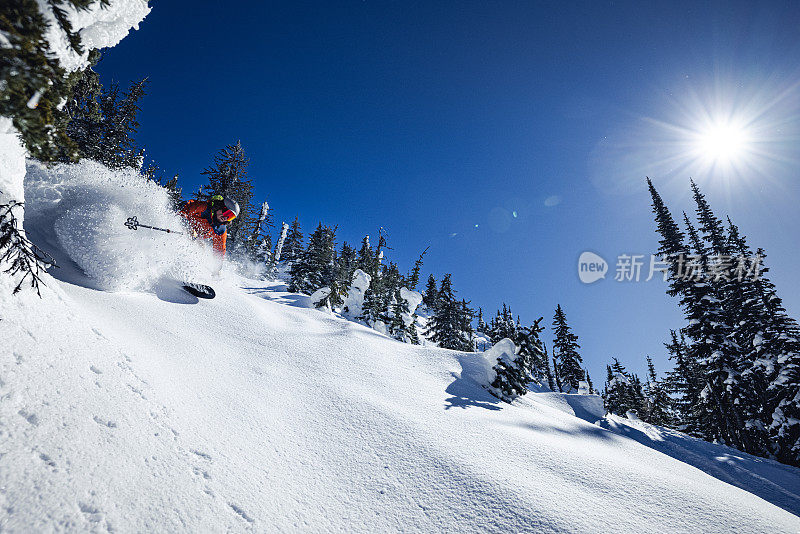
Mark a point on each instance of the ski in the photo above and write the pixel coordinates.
(199, 290)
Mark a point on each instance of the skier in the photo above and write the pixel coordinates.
(209, 220)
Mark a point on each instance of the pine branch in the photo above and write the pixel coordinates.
(22, 256)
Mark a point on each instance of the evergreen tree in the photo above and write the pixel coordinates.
(293, 246)
(467, 314)
(118, 124)
(372, 309)
(623, 391)
(367, 259)
(381, 290)
(566, 346)
(556, 377)
(413, 333)
(390, 283)
(413, 278)
(503, 325)
(399, 310)
(431, 294)
(346, 265)
(512, 376)
(274, 258)
(174, 192)
(382, 244)
(659, 404)
(592, 391)
(34, 83)
(714, 352)
(446, 324)
(258, 244)
(769, 338)
(549, 373)
(683, 384)
(721, 382)
(263, 252)
(316, 268)
(227, 176)
(84, 118)
(482, 327)
(531, 349)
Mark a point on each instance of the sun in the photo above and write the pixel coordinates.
(723, 142)
(733, 134)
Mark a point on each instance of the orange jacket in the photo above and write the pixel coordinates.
(202, 221)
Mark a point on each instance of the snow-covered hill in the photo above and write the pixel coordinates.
(128, 405)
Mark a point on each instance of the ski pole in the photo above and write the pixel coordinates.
(134, 224)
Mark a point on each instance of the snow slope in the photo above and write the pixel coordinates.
(148, 410)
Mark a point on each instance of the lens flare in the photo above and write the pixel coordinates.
(723, 143)
(733, 135)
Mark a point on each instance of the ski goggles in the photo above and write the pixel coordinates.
(228, 215)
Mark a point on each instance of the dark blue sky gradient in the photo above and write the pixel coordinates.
(429, 118)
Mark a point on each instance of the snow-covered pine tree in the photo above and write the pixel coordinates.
(556, 376)
(346, 265)
(747, 386)
(227, 176)
(713, 349)
(316, 268)
(279, 245)
(658, 406)
(565, 345)
(512, 376)
(532, 351)
(431, 294)
(398, 310)
(379, 251)
(263, 252)
(482, 326)
(367, 259)
(413, 332)
(592, 391)
(683, 383)
(467, 315)
(623, 391)
(412, 279)
(503, 326)
(379, 296)
(84, 119)
(446, 323)
(35, 86)
(293, 245)
(255, 245)
(772, 342)
(174, 192)
(372, 309)
(118, 125)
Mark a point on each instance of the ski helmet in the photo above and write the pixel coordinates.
(229, 206)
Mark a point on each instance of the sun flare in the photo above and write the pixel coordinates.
(723, 143)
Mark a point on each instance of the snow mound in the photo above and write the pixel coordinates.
(354, 300)
(81, 209)
(318, 296)
(483, 373)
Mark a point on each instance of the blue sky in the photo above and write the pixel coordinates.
(508, 136)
